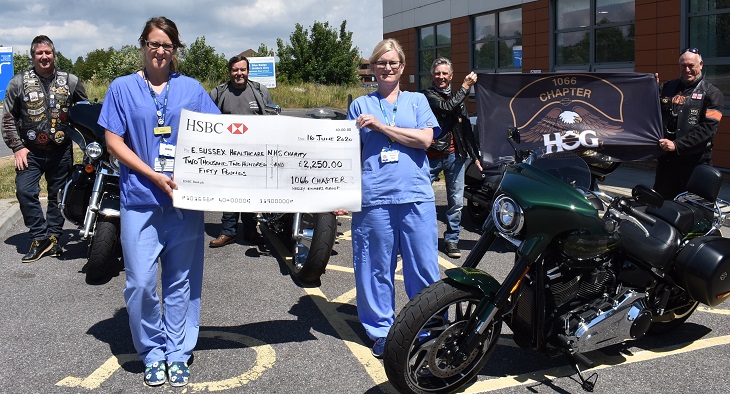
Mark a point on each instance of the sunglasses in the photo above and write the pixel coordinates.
(693, 50)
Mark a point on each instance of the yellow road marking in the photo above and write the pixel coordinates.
(372, 366)
(713, 310)
(265, 358)
(96, 378)
(606, 361)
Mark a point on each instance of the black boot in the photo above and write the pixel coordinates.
(37, 250)
(56, 250)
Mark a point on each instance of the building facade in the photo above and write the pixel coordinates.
(507, 36)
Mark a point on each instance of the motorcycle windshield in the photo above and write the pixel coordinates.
(566, 166)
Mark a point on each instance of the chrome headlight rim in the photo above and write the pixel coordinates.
(94, 150)
(508, 215)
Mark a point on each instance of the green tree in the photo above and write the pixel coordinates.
(125, 61)
(321, 55)
(21, 62)
(200, 61)
(264, 51)
(95, 60)
(63, 63)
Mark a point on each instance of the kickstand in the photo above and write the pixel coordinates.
(587, 384)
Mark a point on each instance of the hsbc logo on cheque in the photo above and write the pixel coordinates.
(237, 128)
(204, 127)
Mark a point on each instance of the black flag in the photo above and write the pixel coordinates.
(611, 117)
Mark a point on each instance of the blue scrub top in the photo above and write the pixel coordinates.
(408, 179)
(129, 111)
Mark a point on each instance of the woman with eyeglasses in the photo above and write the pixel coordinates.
(141, 113)
(398, 211)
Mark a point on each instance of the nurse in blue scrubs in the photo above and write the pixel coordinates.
(398, 205)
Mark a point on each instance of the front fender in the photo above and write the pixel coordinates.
(473, 277)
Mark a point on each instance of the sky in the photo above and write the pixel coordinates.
(78, 27)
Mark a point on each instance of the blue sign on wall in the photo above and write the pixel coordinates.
(517, 56)
(6, 69)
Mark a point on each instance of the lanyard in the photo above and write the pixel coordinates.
(395, 109)
(160, 111)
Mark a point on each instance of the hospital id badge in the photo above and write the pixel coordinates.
(164, 164)
(388, 155)
(163, 130)
(167, 150)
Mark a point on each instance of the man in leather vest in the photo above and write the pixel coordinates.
(691, 112)
(34, 127)
(456, 144)
(243, 97)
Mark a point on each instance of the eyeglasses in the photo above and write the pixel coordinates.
(154, 45)
(693, 50)
(392, 64)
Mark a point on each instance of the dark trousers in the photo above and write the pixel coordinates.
(56, 166)
(229, 222)
(673, 172)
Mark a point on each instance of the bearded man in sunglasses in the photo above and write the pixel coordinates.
(691, 112)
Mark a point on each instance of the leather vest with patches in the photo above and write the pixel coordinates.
(44, 113)
(679, 118)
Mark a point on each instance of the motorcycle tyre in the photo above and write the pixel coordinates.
(404, 334)
(320, 249)
(102, 248)
(477, 213)
(661, 328)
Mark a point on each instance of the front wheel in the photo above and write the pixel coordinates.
(102, 248)
(421, 345)
(312, 245)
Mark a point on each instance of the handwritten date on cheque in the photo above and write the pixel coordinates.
(249, 163)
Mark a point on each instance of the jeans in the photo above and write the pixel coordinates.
(56, 165)
(229, 222)
(453, 167)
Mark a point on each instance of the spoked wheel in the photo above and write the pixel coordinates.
(679, 308)
(421, 348)
(312, 241)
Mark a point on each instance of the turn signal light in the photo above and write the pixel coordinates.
(723, 295)
(89, 168)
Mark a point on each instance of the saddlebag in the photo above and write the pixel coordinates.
(702, 269)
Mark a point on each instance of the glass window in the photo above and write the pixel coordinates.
(594, 34)
(433, 41)
(708, 26)
(572, 14)
(497, 41)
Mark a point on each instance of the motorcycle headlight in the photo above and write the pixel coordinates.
(114, 162)
(507, 215)
(94, 150)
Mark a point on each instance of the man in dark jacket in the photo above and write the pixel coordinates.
(691, 113)
(35, 123)
(243, 97)
(456, 143)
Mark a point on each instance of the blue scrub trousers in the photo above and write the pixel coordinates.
(378, 233)
(170, 240)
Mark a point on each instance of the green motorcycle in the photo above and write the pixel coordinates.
(590, 271)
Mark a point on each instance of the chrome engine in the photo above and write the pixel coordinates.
(606, 321)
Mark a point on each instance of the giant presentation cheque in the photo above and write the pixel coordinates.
(249, 163)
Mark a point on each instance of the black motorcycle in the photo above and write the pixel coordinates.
(90, 198)
(309, 237)
(590, 271)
